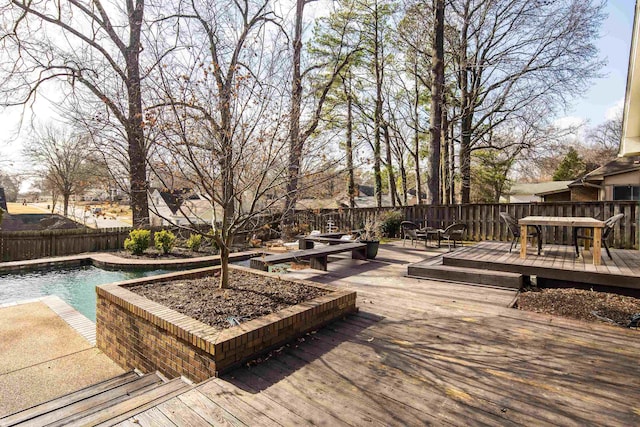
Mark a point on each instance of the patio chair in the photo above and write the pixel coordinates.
(410, 231)
(578, 233)
(452, 233)
(513, 226)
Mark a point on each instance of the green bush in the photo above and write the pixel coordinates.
(194, 242)
(138, 241)
(164, 240)
(390, 223)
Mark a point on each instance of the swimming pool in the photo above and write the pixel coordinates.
(74, 285)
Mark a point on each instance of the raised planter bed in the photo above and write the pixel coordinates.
(139, 333)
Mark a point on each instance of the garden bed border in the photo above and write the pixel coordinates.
(138, 333)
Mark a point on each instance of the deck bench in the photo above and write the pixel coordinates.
(306, 242)
(317, 257)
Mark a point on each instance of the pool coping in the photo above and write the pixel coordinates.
(110, 261)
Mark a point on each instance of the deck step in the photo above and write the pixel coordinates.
(98, 403)
(130, 407)
(473, 276)
(68, 399)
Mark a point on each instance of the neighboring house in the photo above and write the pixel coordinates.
(179, 207)
(525, 192)
(96, 194)
(617, 180)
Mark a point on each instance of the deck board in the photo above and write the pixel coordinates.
(429, 352)
(556, 262)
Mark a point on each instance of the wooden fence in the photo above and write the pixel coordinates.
(21, 245)
(483, 220)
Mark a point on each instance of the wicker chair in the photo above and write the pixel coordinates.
(452, 233)
(512, 223)
(578, 233)
(410, 231)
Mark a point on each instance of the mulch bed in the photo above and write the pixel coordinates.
(249, 296)
(581, 304)
(174, 254)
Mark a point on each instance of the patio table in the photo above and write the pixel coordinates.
(428, 233)
(566, 221)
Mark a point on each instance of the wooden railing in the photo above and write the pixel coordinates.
(483, 220)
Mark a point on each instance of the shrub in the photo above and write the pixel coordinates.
(390, 223)
(138, 241)
(194, 242)
(164, 240)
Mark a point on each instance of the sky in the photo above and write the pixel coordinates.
(595, 106)
(607, 94)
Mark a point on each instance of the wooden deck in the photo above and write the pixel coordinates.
(426, 352)
(557, 262)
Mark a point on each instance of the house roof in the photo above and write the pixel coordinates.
(175, 198)
(23, 222)
(538, 188)
(630, 144)
(614, 167)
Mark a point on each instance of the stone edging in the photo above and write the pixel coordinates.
(139, 333)
(111, 261)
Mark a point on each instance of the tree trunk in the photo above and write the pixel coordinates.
(466, 119)
(351, 186)
(224, 265)
(65, 204)
(416, 135)
(452, 164)
(445, 169)
(465, 157)
(393, 191)
(377, 116)
(135, 131)
(437, 85)
(295, 144)
(403, 179)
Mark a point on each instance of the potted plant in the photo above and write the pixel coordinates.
(370, 235)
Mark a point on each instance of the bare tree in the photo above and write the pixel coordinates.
(62, 160)
(92, 45)
(437, 89)
(11, 184)
(217, 115)
(605, 138)
(510, 54)
(327, 71)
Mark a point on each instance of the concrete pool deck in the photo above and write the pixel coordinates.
(45, 352)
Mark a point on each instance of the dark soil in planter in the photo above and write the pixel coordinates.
(581, 304)
(249, 296)
(176, 253)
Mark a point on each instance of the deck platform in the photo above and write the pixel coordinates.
(423, 352)
(557, 262)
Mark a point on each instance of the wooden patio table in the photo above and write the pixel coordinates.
(567, 221)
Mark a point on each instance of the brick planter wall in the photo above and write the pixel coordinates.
(138, 333)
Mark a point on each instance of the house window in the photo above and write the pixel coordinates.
(626, 192)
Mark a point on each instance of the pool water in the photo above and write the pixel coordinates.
(75, 285)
